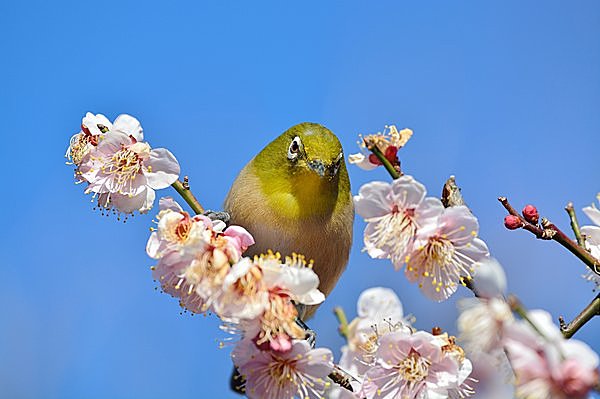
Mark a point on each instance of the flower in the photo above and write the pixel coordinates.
(546, 365)
(417, 365)
(592, 239)
(379, 312)
(388, 142)
(481, 323)
(124, 171)
(393, 213)
(93, 127)
(259, 297)
(445, 251)
(195, 255)
(489, 279)
(300, 372)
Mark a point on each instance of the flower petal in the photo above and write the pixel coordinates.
(162, 169)
(128, 125)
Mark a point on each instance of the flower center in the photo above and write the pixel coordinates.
(279, 319)
(393, 232)
(250, 283)
(414, 368)
(79, 147)
(182, 229)
(124, 166)
(439, 250)
(282, 371)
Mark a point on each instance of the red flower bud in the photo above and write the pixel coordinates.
(512, 222)
(530, 213)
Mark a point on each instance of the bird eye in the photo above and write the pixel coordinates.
(294, 148)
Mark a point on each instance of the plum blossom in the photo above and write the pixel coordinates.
(300, 372)
(93, 128)
(592, 239)
(259, 296)
(123, 171)
(417, 365)
(393, 213)
(388, 142)
(379, 312)
(546, 365)
(481, 323)
(489, 280)
(194, 255)
(444, 252)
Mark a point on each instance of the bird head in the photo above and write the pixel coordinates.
(303, 171)
(308, 150)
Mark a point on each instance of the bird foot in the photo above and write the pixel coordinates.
(216, 215)
(311, 335)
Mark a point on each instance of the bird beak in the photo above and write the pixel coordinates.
(324, 170)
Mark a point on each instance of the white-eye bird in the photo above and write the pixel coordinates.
(294, 196)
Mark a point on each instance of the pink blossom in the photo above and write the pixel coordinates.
(258, 298)
(546, 365)
(415, 366)
(379, 312)
(445, 251)
(393, 213)
(194, 255)
(300, 372)
(93, 128)
(124, 171)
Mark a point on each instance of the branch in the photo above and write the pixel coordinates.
(183, 188)
(517, 307)
(591, 310)
(574, 224)
(548, 231)
(341, 316)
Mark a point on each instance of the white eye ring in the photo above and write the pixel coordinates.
(294, 148)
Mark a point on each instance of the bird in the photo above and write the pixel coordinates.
(294, 197)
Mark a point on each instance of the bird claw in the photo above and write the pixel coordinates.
(216, 215)
(311, 335)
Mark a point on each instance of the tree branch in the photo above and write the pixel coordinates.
(549, 231)
(574, 224)
(591, 310)
(183, 189)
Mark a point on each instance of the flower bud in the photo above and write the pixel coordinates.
(531, 214)
(512, 222)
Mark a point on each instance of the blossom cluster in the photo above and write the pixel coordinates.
(200, 262)
(388, 358)
(120, 169)
(532, 351)
(438, 246)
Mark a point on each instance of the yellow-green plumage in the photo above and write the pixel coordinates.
(300, 204)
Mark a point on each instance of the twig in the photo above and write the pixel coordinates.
(548, 231)
(574, 224)
(342, 320)
(591, 310)
(384, 161)
(183, 189)
(517, 307)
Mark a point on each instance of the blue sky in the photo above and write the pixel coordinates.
(503, 95)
